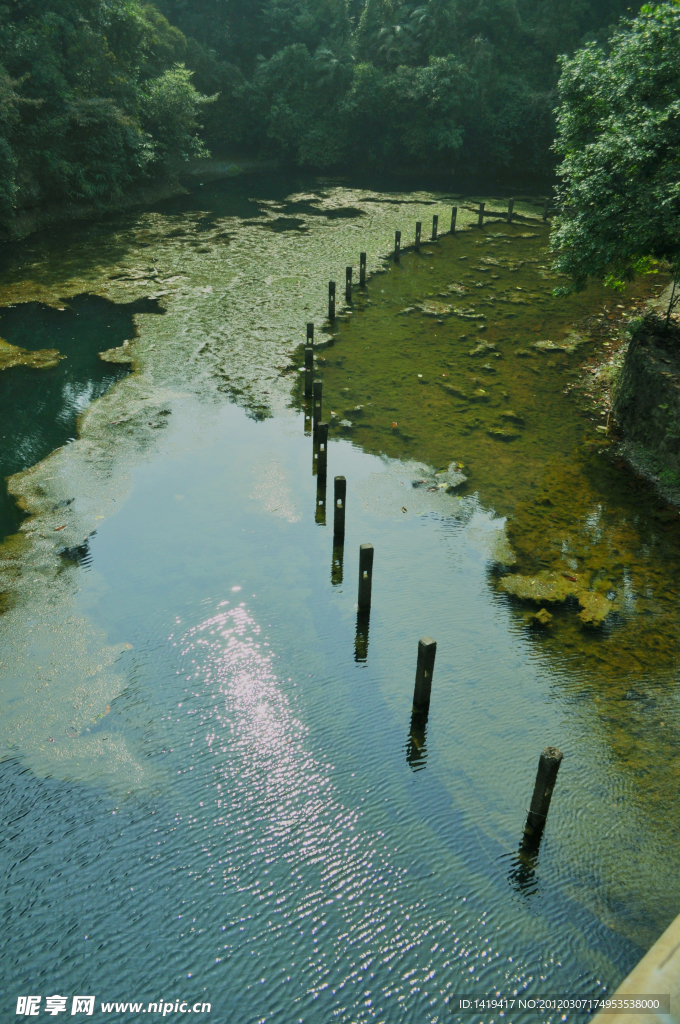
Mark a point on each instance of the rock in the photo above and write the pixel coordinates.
(548, 587)
(547, 346)
(512, 417)
(540, 618)
(456, 392)
(451, 478)
(482, 348)
(595, 607)
(503, 435)
(545, 587)
(437, 309)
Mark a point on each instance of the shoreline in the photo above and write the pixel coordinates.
(180, 179)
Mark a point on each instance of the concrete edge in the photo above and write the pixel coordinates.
(658, 973)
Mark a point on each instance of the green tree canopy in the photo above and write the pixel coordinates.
(618, 133)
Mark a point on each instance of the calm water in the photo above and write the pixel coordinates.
(210, 788)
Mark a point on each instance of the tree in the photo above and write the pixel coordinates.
(618, 133)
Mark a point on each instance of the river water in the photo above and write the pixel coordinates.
(212, 789)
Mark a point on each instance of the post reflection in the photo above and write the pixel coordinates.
(361, 638)
(416, 749)
(320, 515)
(307, 409)
(522, 873)
(337, 562)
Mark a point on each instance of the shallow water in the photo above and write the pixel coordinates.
(210, 770)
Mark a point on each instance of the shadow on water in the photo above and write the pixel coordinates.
(39, 409)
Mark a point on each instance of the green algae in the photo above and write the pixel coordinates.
(14, 355)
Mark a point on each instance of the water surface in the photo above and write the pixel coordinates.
(211, 779)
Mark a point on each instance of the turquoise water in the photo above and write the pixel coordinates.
(206, 795)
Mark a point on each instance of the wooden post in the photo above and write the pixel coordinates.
(454, 215)
(348, 284)
(427, 648)
(310, 334)
(419, 228)
(480, 219)
(339, 507)
(365, 576)
(322, 460)
(511, 206)
(548, 767)
(397, 245)
(318, 386)
(309, 371)
(546, 207)
(331, 300)
(362, 269)
(435, 223)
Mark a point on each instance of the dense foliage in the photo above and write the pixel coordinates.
(95, 94)
(619, 136)
(465, 85)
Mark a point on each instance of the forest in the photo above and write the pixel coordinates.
(96, 95)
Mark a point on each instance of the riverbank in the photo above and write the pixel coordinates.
(632, 383)
(180, 177)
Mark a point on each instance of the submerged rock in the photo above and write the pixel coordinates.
(540, 618)
(545, 587)
(451, 478)
(595, 607)
(499, 434)
(512, 417)
(42, 359)
(548, 587)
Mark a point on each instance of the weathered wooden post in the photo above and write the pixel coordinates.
(546, 208)
(454, 215)
(511, 206)
(316, 409)
(548, 767)
(397, 245)
(348, 284)
(427, 649)
(331, 300)
(435, 224)
(362, 269)
(480, 218)
(309, 371)
(322, 458)
(419, 228)
(339, 507)
(365, 576)
(310, 334)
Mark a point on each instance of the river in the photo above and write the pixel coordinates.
(212, 789)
